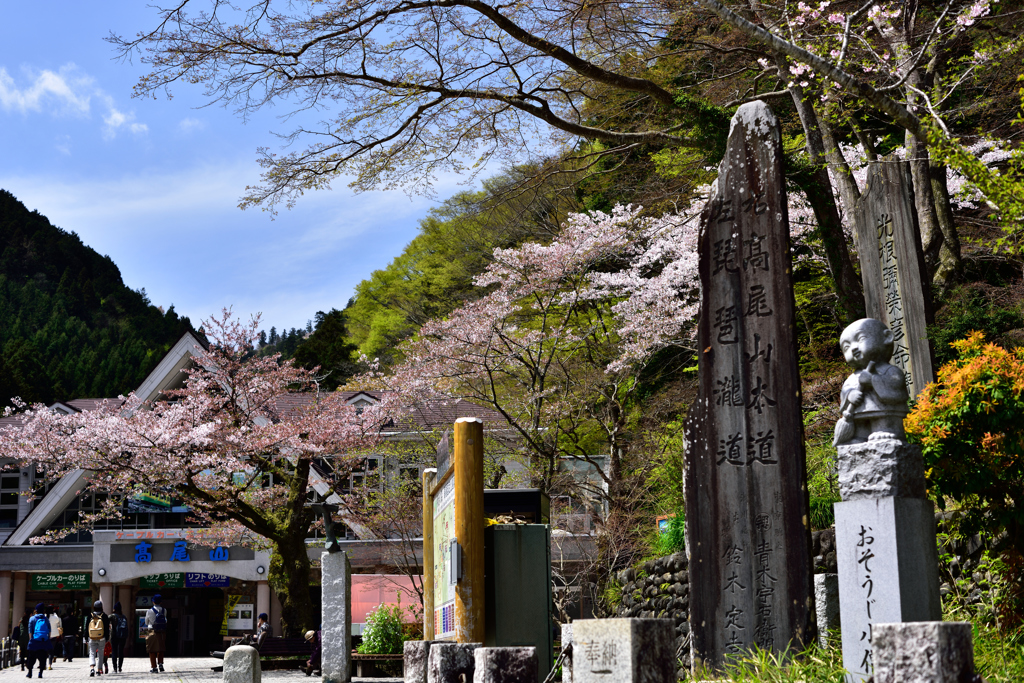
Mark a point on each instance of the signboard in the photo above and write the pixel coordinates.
(201, 580)
(61, 582)
(229, 607)
(170, 580)
(444, 534)
(240, 617)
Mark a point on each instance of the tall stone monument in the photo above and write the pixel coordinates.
(896, 290)
(745, 480)
(885, 526)
(336, 622)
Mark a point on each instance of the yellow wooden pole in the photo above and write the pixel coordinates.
(468, 461)
(428, 554)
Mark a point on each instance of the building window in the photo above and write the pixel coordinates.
(9, 487)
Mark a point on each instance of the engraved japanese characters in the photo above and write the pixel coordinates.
(744, 476)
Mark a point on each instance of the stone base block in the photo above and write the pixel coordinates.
(880, 468)
(506, 665)
(416, 653)
(242, 665)
(826, 604)
(567, 660)
(923, 652)
(336, 601)
(451, 662)
(888, 570)
(624, 651)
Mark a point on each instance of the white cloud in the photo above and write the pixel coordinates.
(63, 144)
(115, 120)
(189, 124)
(67, 90)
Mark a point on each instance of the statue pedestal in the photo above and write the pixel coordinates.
(880, 468)
(888, 570)
(336, 618)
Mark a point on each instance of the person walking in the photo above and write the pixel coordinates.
(156, 640)
(119, 631)
(21, 634)
(69, 622)
(55, 634)
(39, 644)
(98, 632)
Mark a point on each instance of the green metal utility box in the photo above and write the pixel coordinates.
(517, 577)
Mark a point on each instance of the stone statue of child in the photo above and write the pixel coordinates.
(874, 398)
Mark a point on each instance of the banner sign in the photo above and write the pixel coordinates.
(201, 580)
(170, 580)
(61, 582)
(229, 607)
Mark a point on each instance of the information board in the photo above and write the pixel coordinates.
(61, 582)
(444, 534)
(169, 580)
(240, 618)
(202, 580)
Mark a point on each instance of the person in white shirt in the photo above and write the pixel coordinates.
(156, 641)
(55, 632)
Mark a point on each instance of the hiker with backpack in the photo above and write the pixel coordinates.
(118, 637)
(98, 632)
(39, 644)
(156, 641)
(55, 634)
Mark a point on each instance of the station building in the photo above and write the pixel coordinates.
(211, 593)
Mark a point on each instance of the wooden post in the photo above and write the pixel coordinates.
(469, 528)
(428, 554)
(745, 476)
(896, 290)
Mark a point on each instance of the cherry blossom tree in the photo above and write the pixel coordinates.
(906, 63)
(235, 445)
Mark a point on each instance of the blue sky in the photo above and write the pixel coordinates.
(155, 184)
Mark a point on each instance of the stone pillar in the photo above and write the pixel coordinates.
(923, 652)
(567, 660)
(336, 617)
(124, 596)
(263, 598)
(624, 651)
(242, 665)
(416, 653)
(107, 596)
(826, 603)
(451, 662)
(18, 602)
(275, 614)
(5, 604)
(505, 665)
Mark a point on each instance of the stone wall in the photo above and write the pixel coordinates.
(660, 589)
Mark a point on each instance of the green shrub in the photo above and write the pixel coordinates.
(383, 632)
(674, 538)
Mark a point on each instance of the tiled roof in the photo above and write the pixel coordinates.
(435, 414)
(83, 405)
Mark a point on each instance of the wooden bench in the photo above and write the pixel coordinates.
(282, 653)
(366, 665)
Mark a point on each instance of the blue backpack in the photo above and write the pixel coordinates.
(160, 620)
(39, 627)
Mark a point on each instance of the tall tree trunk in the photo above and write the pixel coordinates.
(290, 576)
(924, 202)
(950, 263)
(818, 188)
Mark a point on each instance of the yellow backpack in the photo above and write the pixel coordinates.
(96, 627)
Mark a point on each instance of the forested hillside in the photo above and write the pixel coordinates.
(69, 327)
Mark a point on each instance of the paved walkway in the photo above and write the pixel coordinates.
(136, 669)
